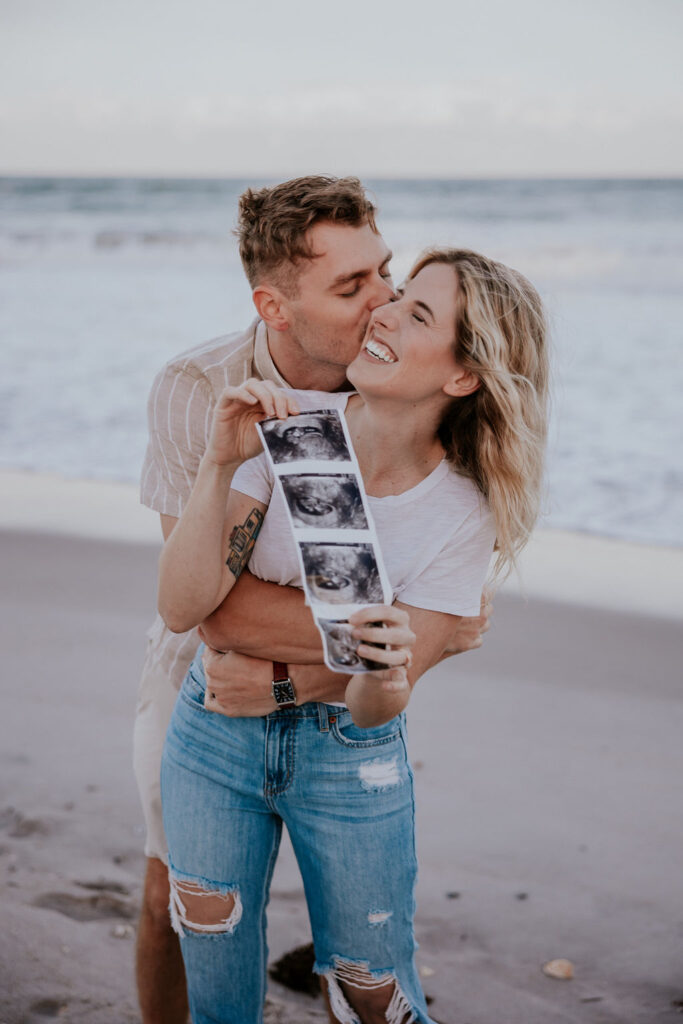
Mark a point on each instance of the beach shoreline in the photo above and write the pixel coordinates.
(558, 565)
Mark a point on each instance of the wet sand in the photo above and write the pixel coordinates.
(548, 767)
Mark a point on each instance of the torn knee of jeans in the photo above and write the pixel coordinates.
(352, 982)
(199, 907)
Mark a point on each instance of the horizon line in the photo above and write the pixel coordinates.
(157, 176)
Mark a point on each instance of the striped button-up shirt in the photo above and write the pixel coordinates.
(179, 412)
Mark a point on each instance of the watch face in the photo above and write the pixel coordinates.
(284, 692)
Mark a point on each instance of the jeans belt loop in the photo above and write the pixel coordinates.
(322, 717)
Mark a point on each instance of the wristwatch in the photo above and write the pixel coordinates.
(283, 687)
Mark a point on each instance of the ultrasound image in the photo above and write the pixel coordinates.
(328, 502)
(310, 435)
(342, 573)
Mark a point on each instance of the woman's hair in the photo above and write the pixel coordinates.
(497, 435)
(273, 223)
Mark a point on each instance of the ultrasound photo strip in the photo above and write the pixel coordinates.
(315, 467)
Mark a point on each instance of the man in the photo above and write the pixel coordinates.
(318, 267)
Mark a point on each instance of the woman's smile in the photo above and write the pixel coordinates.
(414, 335)
(379, 350)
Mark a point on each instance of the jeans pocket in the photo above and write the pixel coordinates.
(350, 735)
(193, 689)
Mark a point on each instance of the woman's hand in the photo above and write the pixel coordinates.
(233, 434)
(390, 627)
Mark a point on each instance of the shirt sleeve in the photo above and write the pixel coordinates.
(454, 580)
(254, 478)
(179, 412)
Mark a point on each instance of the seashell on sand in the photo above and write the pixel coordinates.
(561, 969)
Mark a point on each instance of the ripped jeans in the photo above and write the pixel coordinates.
(346, 797)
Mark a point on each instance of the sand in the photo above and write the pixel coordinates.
(548, 766)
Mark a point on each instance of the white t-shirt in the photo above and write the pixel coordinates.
(436, 538)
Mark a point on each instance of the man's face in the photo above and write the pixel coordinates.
(338, 290)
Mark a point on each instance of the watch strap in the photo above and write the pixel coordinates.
(280, 671)
(283, 687)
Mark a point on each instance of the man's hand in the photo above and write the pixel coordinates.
(238, 686)
(468, 635)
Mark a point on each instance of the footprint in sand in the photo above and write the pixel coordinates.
(49, 1007)
(86, 908)
(20, 827)
(104, 885)
(295, 970)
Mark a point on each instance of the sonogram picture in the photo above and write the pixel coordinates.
(314, 464)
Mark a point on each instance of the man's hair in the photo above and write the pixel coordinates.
(273, 223)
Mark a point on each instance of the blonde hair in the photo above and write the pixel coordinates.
(497, 435)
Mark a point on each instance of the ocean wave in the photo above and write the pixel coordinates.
(656, 264)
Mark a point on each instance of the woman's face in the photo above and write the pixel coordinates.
(408, 349)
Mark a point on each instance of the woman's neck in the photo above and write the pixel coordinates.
(396, 446)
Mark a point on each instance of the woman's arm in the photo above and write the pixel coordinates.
(207, 550)
(386, 638)
(213, 539)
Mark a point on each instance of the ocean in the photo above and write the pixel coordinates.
(102, 280)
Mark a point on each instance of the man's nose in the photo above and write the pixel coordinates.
(383, 292)
(385, 315)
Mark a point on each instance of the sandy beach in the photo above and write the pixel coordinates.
(548, 766)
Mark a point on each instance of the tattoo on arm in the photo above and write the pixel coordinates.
(242, 540)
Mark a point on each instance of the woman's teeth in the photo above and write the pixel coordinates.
(380, 351)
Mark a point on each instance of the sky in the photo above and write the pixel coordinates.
(442, 88)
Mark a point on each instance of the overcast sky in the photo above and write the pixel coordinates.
(269, 88)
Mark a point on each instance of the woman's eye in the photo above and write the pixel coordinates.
(420, 319)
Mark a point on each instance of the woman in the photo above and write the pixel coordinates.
(448, 423)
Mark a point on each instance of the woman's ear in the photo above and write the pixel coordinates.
(271, 306)
(463, 382)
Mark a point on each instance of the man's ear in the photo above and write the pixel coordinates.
(271, 306)
(463, 382)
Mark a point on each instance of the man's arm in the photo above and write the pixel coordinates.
(265, 620)
(243, 683)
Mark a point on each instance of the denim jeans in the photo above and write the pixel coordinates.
(346, 797)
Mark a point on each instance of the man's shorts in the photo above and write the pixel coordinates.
(156, 699)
